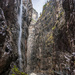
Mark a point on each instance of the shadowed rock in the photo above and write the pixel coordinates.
(5, 45)
(2, 28)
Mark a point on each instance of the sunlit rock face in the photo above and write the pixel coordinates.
(9, 32)
(31, 41)
(33, 74)
(34, 17)
(27, 17)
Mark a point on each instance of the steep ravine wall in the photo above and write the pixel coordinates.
(31, 42)
(54, 49)
(9, 32)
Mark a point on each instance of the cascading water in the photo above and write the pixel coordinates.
(20, 35)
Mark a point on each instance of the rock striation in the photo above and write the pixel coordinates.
(34, 16)
(31, 42)
(54, 49)
(5, 44)
(9, 32)
(50, 47)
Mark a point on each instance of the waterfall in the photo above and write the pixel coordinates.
(20, 35)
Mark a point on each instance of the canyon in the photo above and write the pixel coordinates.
(37, 46)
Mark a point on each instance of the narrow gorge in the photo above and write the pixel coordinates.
(37, 44)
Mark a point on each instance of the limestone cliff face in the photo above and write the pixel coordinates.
(31, 42)
(27, 17)
(34, 16)
(9, 32)
(54, 51)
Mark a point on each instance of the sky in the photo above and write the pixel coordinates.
(38, 5)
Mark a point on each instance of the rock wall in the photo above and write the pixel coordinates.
(27, 17)
(9, 32)
(34, 16)
(54, 51)
(30, 48)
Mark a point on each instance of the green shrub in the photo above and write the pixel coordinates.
(53, 27)
(44, 5)
(16, 71)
